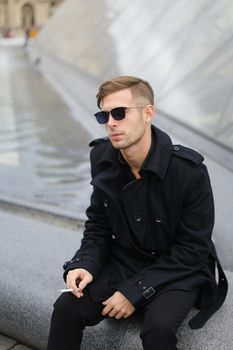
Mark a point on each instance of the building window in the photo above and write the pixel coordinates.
(28, 19)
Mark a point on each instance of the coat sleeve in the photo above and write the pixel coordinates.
(190, 251)
(96, 241)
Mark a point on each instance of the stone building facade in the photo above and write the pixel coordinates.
(18, 15)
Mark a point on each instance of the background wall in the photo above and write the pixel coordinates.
(184, 48)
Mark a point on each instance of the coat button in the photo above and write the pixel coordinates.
(176, 148)
(106, 203)
(158, 220)
(137, 218)
(153, 253)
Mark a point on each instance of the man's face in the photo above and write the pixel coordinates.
(130, 130)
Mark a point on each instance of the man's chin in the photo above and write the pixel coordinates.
(116, 145)
(119, 145)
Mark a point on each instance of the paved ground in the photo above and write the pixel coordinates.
(44, 153)
(8, 344)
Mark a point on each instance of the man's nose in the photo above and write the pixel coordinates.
(111, 121)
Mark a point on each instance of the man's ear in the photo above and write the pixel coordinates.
(149, 113)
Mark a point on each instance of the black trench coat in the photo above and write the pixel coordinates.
(151, 235)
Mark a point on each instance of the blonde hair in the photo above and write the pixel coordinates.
(140, 88)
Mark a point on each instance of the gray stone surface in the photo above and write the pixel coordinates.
(21, 347)
(6, 343)
(31, 256)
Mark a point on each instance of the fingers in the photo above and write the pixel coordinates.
(108, 306)
(83, 283)
(106, 310)
(117, 314)
(78, 279)
(106, 301)
(71, 283)
(117, 310)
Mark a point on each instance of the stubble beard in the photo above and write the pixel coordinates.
(123, 145)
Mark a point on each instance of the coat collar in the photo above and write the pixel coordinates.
(159, 155)
(157, 159)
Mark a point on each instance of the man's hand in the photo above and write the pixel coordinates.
(118, 306)
(77, 279)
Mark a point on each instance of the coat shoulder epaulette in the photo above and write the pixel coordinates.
(98, 141)
(187, 153)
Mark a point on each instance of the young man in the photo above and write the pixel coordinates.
(147, 241)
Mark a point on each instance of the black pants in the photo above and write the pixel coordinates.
(162, 318)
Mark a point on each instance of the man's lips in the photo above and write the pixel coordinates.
(115, 135)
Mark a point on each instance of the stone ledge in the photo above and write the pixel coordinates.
(6, 343)
(31, 276)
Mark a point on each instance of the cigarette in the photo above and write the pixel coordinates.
(66, 290)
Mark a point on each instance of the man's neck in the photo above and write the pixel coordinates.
(136, 154)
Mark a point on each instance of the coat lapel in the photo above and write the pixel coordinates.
(110, 180)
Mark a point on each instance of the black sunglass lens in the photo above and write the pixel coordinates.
(118, 113)
(102, 117)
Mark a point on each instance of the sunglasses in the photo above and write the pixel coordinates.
(117, 113)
